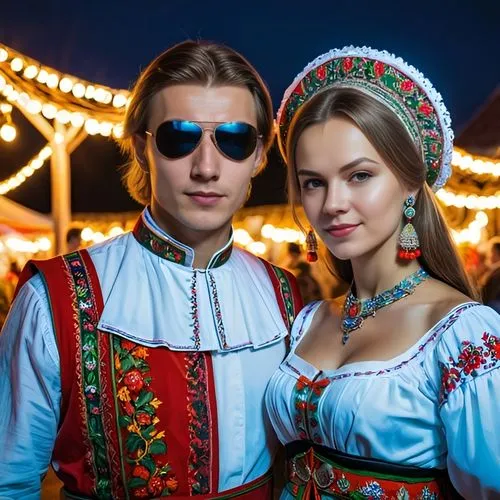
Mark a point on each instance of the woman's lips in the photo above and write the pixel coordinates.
(341, 230)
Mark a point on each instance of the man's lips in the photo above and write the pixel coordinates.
(205, 198)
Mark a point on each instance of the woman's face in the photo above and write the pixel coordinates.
(351, 197)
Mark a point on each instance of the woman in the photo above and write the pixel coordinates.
(395, 393)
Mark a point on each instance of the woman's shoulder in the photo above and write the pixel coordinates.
(468, 322)
(442, 300)
(462, 325)
(315, 314)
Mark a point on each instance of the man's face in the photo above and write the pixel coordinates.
(199, 193)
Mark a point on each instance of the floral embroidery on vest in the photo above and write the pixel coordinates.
(282, 283)
(471, 362)
(198, 408)
(286, 292)
(87, 367)
(145, 446)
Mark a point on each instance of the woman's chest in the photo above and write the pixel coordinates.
(354, 403)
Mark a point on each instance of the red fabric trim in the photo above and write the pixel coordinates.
(277, 290)
(298, 303)
(202, 439)
(214, 425)
(297, 298)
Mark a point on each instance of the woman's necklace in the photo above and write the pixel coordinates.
(356, 311)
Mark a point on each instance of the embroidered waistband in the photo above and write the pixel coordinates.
(312, 474)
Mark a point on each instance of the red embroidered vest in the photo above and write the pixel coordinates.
(123, 433)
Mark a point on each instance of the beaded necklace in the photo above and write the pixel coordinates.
(356, 311)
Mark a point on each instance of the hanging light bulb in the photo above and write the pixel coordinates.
(31, 71)
(8, 132)
(17, 64)
(5, 107)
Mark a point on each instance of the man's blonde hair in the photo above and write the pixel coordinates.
(190, 62)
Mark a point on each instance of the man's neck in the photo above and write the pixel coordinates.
(203, 243)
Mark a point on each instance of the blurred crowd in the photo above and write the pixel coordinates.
(489, 277)
(12, 271)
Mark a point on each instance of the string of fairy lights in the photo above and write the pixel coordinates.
(57, 96)
(99, 110)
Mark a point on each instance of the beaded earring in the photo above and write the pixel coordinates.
(312, 246)
(409, 244)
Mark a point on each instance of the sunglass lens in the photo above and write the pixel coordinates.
(177, 138)
(236, 140)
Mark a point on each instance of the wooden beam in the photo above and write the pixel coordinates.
(76, 140)
(60, 179)
(39, 122)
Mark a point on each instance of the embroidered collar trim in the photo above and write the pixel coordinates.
(160, 243)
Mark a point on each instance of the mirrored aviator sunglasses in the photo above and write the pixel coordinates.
(178, 138)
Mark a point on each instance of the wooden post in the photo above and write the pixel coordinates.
(60, 180)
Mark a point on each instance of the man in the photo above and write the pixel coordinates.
(293, 258)
(141, 365)
(493, 256)
(73, 239)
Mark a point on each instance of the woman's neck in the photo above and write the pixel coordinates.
(380, 271)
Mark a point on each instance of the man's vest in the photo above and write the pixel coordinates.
(135, 421)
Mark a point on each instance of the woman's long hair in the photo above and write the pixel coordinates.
(387, 134)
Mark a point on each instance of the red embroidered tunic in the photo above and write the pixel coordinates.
(139, 420)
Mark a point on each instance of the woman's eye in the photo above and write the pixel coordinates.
(360, 177)
(312, 184)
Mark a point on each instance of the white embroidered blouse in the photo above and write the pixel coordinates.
(437, 405)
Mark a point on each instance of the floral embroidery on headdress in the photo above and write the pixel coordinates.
(392, 82)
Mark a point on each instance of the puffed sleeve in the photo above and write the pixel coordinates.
(469, 366)
(30, 393)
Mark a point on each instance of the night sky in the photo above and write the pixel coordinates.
(456, 44)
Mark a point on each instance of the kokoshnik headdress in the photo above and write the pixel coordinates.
(392, 82)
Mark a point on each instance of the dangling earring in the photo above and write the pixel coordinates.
(312, 246)
(409, 244)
